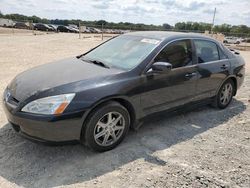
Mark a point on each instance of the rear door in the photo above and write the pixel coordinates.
(213, 67)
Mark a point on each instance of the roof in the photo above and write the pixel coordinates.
(162, 35)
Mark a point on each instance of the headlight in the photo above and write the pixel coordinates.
(49, 105)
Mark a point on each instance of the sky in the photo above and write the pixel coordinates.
(157, 12)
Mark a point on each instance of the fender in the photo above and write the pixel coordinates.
(230, 76)
(133, 112)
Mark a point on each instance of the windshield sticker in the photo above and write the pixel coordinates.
(151, 41)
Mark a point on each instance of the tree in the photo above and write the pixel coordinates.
(166, 26)
(100, 22)
(180, 26)
(35, 19)
(188, 26)
(196, 26)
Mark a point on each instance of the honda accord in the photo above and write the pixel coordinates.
(96, 97)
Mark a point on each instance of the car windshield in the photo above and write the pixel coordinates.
(123, 52)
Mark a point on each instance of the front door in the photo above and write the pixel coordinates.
(175, 88)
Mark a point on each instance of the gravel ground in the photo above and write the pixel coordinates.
(201, 148)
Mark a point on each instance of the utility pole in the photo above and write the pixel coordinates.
(79, 30)
(32, 27)
(13, 28)
(213, 20)
(102, 31)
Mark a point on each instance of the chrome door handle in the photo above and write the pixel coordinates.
(190, 75)
(224, 66)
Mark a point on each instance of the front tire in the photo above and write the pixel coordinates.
(225, 95)
(107, 126)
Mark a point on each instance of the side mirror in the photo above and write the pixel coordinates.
(161, 67)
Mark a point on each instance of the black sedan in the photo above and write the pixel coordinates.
(96, 97)
(62, 28)
(21, 25)
(43, 27)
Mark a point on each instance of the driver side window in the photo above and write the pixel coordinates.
(178, 53)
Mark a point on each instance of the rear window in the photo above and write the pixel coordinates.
(228, 52)
(207, 51)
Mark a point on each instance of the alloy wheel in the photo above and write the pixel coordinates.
(226, 94)
(109, 128)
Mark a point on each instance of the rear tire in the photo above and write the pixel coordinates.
(225, 95)
(107, 126)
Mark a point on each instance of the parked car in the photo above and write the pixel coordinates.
(232, 40)
(98, 30)
(43, 27)
(97, 96)
(73, 26)
(73, 29)
(6, 22)
(62, 28)
(247, 40)
(53, 26)
(92, 30)
(21, 25)
(87, 31)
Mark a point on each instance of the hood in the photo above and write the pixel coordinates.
(55, 74)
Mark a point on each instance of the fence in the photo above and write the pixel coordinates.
(103, 29)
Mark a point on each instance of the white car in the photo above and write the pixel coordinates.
(232, 40)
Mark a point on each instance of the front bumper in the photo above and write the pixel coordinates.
(45, 128)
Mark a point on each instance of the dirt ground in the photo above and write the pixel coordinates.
(201, 148)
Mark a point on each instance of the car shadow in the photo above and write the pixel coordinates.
(29, 164)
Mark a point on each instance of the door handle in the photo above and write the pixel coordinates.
(224, 67)
(190, 75)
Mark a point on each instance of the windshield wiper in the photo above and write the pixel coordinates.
(100, 63)
(96, 62)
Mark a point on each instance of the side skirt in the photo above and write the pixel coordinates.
(174, 111)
